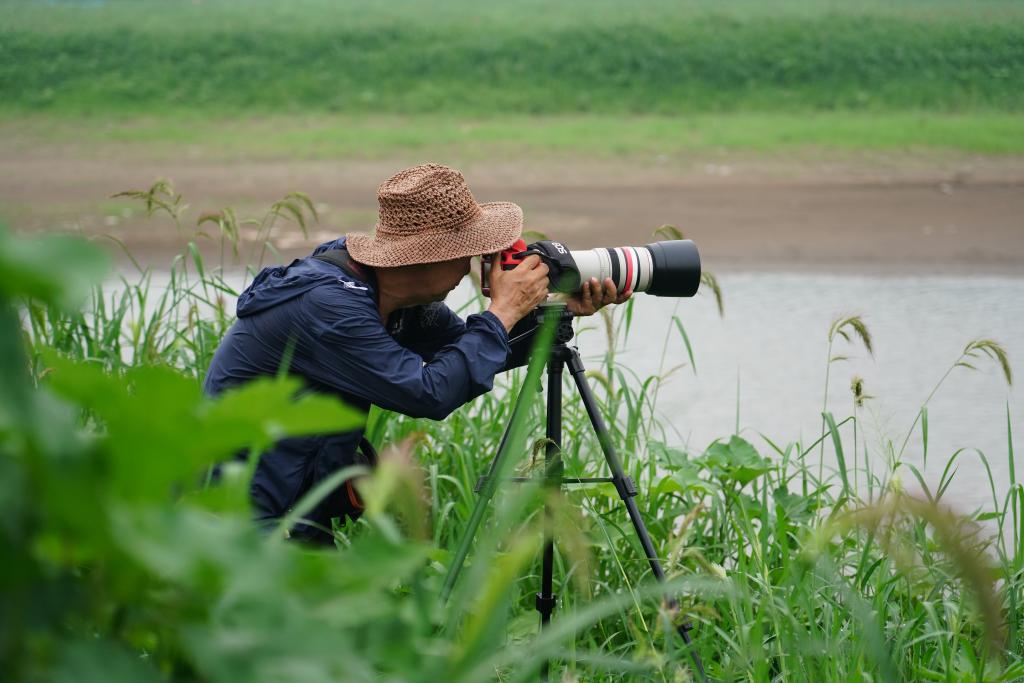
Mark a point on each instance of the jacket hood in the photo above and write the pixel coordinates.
(278, 284)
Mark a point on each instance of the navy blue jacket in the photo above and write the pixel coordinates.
(425, 362)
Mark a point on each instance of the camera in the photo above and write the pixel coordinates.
(668, 268)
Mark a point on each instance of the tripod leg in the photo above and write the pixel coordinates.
(546, 598)
(625, 487)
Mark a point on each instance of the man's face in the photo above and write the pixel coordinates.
(439, 279)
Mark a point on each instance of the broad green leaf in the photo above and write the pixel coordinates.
(161, 430)
(101, 661)
(737, 460)
(15, 388)
(796, 507)
(57, 269)
(665, 456)
(683, 480)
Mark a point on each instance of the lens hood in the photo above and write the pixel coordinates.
(676, 269)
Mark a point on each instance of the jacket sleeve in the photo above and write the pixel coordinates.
(445, 327)
(520, 342)
(351, 351)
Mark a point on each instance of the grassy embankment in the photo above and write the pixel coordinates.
(321, 79)
(791, 570)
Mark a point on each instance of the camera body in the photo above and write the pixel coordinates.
(668, 268)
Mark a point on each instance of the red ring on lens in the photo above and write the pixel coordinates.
(629, 267)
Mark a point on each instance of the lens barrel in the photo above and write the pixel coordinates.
(669, 268)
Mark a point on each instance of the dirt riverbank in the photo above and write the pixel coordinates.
(964, 215)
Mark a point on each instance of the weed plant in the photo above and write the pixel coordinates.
(121, 564)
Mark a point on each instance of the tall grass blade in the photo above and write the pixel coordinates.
(686, 341)
(924, 435)
(837, 443)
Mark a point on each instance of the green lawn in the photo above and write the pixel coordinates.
(350, 136)
(473, 59)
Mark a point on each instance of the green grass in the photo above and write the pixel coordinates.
(470, 59)
(318, 80)
(517, 137)
(118, 559)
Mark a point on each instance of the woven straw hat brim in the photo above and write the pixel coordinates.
(499, 225)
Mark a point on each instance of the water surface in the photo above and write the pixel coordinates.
(763, 365)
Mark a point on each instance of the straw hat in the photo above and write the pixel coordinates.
(428, 214)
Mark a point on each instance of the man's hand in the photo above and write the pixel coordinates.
(516, 292)
(592, 297)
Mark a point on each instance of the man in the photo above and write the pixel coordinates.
(362, 318)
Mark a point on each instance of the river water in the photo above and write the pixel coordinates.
(762, 366)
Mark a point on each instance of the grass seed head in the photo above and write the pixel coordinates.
(992, 349)
(848, 327)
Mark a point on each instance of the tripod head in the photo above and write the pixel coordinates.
(557, 311)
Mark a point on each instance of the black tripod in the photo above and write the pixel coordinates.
(561, 356)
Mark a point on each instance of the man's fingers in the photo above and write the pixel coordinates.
(541, 294)
(588, 297)
(495, 268)
(609, 289)
(538, 276)
(597, 293)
